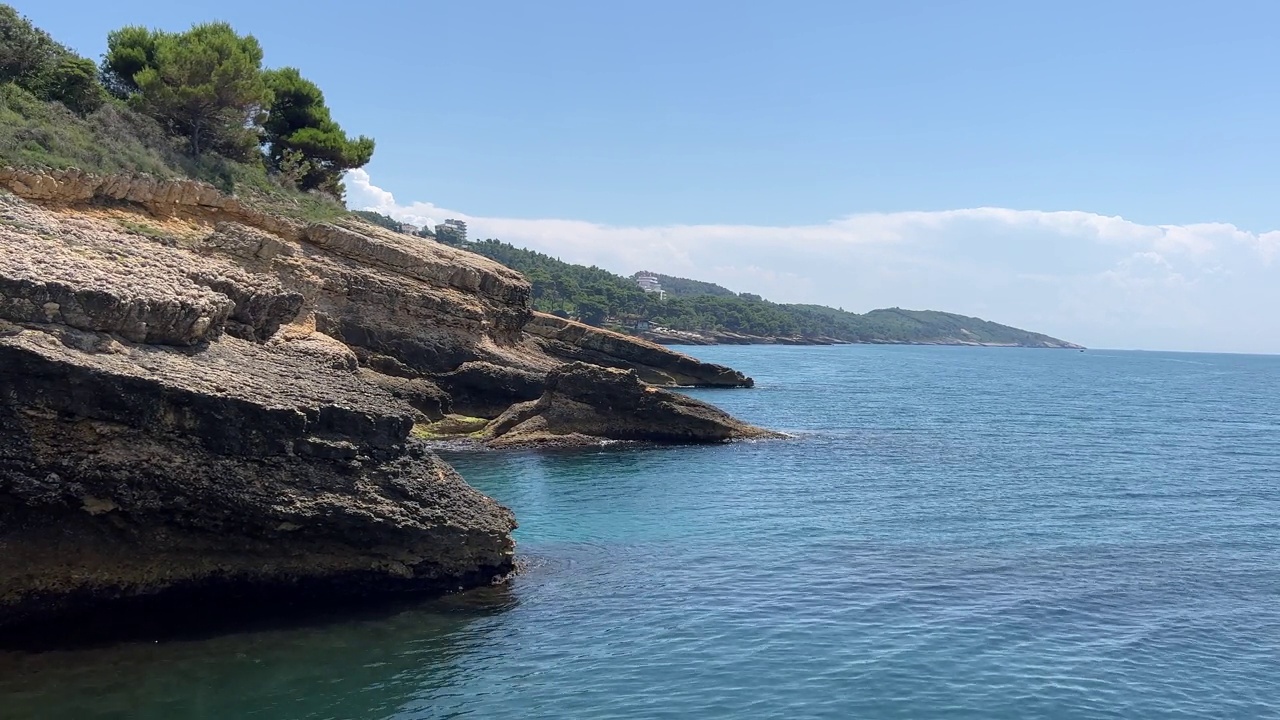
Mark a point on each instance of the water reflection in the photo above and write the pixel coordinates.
(378, 666)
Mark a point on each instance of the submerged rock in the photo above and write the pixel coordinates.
(585, 404)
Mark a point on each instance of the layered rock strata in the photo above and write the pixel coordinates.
(406, 307)
(583, 403)
(200, 401)
(139, 475)
(653, 363)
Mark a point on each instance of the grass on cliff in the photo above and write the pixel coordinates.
(111, 139)
(115, 139)
(451, 426)
(142, 229)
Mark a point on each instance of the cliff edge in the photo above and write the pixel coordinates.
(203, 401)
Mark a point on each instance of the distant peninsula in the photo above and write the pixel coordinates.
(679, 311)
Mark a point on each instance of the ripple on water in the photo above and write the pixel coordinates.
(952, 533)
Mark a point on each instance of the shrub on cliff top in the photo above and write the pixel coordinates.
(108, 140)
(207, 85)
(189, 104)
(32, 60)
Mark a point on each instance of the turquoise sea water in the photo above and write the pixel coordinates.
(954, 533)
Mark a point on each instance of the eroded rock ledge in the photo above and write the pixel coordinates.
(129, 473)
(652, 363)
(202, 402)
(584, 403)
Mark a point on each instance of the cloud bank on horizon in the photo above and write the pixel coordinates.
(1092, 279)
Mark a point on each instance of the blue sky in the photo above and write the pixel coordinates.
(975, 157)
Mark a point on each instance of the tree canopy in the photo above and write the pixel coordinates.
(596, 296)
(31, 59)
(378, 219)
(302, 138)
(130, 50)
(196, 103)
(206, 84)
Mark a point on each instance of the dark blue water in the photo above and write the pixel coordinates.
(955, 533)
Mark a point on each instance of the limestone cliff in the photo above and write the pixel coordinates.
(407, 308)
(199, 399)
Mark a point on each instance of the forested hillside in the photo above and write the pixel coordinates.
(600, 297)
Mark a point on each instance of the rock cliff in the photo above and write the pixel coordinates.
(202, 400)
(134, 476)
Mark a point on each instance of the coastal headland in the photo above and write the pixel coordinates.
(200, 399)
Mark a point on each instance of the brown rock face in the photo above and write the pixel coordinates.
(134, 474)
(201, 404)
(166, 445)
(408, 307)
(653, 363)
(585, 404)
(152, 300)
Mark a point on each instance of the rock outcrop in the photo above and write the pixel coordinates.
(139, 476)
(406, 307)
(205, 404)
(586, 404)
(653, 363)
(161, 197)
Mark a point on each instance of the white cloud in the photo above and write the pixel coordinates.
(1099, 280)
(362, 194)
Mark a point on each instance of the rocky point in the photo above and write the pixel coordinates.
(203, 404)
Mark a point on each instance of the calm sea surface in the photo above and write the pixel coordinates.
(954, 533)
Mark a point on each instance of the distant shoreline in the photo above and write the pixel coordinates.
(697, 339)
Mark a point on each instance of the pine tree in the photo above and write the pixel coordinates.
(205, 85)
(301, 133)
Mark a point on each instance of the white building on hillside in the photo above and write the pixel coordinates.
(650, 284)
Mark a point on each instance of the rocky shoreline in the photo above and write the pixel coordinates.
(204, 404)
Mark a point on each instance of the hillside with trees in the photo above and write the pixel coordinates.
(599, 297)
(196, 104)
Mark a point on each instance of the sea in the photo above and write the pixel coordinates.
(950, 532)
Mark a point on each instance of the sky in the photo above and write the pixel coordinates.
(1104, 172)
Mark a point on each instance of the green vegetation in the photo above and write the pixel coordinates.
(599, 297)
(194, 104)
(35, 132)
(303, 141)
(450, 426)
(205, 85)
(683, 287)
(33, 61)
(377, 218)
(141, 229)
